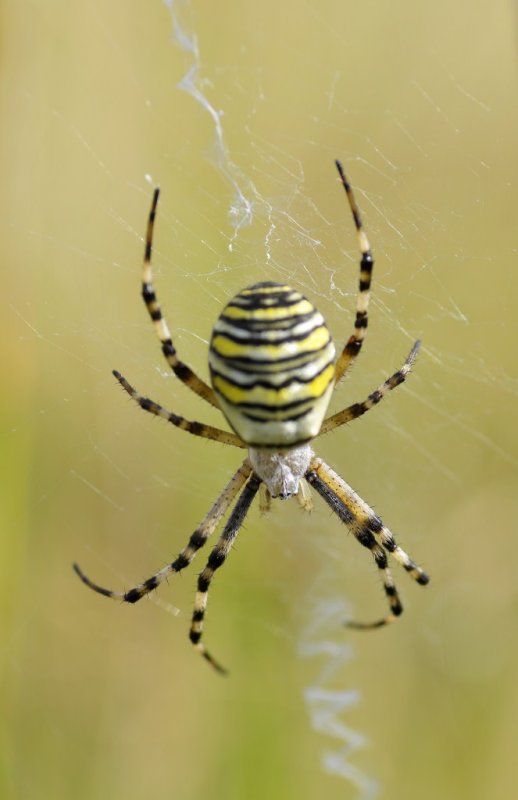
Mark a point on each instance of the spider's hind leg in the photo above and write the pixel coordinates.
(181, 370)
(355, 341)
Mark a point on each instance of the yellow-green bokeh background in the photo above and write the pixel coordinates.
(419, 100)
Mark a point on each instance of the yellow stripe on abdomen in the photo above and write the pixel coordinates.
(272, 367)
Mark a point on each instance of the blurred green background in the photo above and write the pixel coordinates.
(101, 700)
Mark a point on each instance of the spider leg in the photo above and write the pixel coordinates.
(355, 341)
(181, 370)
(196, 428)
(369, 530)
(357, 409)
(197, 540)
(216, 560)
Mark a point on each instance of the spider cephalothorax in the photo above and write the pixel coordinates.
(273, 367)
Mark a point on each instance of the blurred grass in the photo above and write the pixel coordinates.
(101, 700)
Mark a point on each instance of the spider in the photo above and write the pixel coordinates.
(273, 367)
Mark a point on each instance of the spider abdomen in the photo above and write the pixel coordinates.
(272, 366)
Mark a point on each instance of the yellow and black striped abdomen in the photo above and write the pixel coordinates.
(272, 366)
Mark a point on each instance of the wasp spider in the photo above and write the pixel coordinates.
(273, 367)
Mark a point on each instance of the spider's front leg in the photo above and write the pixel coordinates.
(369, 530)
(197, 540)
(216, 560)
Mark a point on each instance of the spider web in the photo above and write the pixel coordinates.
(239, 114)
(282, 220)
(292, 222)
